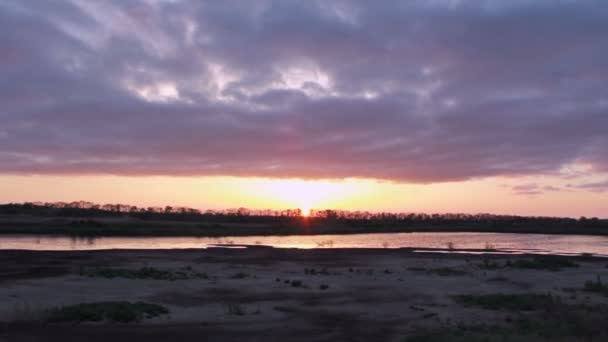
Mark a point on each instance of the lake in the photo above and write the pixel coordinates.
(503, 242)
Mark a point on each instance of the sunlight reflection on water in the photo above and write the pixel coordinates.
(518, 243)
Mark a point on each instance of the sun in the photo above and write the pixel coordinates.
(307, 195)
(305, 212)
(303, 194)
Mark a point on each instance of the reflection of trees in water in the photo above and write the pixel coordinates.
(328, 244)
(221, 241)
(75, 241)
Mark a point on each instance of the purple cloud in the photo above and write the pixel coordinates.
(594, 187)
(528, 189)
(417, 91)
(531, 189)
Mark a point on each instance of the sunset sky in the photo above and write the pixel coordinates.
(432, 105)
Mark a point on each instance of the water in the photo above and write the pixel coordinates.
(503, 242)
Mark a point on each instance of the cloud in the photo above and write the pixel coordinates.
(528, 189)
(551, 188)
(531, 189)
(594, 187)
(417, 91)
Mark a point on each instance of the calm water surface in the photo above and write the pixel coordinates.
(512, 243)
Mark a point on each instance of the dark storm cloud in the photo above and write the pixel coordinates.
(418, 91)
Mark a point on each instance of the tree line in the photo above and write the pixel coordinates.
(354, 218)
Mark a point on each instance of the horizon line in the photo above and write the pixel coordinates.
(169, 209)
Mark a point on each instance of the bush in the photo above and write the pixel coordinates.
(144, 273)
(240, 275)
(516, 302)
(544, 263)
(235, 309)
(596, 286)
(550, 263)
(555, 322)
(106, 311)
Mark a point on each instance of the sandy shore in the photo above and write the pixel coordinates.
(270, 294)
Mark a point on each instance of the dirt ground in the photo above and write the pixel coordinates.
(265, 294)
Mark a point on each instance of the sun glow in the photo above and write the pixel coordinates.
(307, 194)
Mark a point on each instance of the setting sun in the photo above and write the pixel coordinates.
(308, 194)
(303, 170)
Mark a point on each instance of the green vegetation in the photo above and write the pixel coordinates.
(123, 312)
(513, 302)
(144, 273)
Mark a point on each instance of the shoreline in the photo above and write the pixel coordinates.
(170, 232)
(422, 242)
(408, 251)
(259, 292)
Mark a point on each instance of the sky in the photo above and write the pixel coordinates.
(435, 105)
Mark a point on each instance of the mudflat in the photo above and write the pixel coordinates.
(266, 294)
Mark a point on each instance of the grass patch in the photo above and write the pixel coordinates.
(441, 271)
(313, 271)
(144, 273)
(549, 263)
(556, 322)
(240, 275)
(235, 309)
(498, 278)
(416, 269)
(124, 312)
(544, 263)
(447, 272)
(491, 265)
(513, 302)
(286, 309)
(596, 286)
(24, 312)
